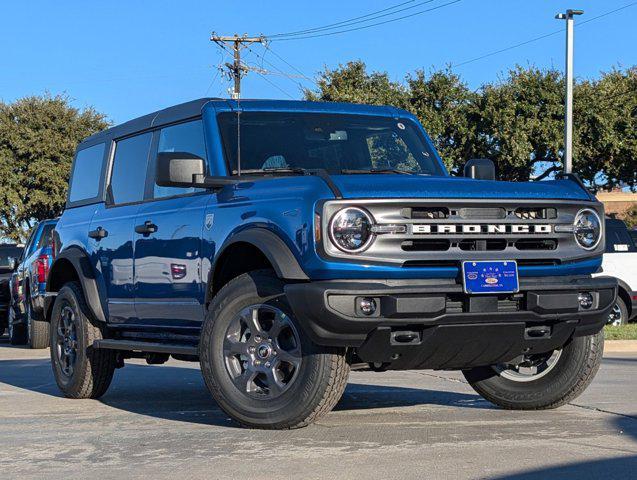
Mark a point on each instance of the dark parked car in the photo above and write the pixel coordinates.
(28, 287)
(9, 255)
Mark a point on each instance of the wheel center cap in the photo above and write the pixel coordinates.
(264, 351)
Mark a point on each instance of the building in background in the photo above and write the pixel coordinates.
(618, 203)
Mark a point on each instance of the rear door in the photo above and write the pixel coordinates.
(168, 286)
(113, 225)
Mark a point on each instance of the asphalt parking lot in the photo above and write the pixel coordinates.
(159, 422)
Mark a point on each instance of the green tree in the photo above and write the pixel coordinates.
(605, 129)
(445, 106)
(630, 217)
(519, 123)
(38, 136)
(352, 83)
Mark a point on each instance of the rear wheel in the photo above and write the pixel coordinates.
(541, 381)
(257, 363)
(17, 332)
(37, 330)
(618, 315)
(80, 370)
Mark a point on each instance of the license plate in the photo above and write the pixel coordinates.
(490, 277)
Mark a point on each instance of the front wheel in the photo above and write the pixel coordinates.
(541, 381)
(257, 363)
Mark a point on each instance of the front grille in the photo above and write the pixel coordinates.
(427, 213)
(532, 213)
(482, 213)
(443, 233)
(482, 245)
(426, 245)
(532, 244)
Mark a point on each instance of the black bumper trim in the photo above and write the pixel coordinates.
(327, 311)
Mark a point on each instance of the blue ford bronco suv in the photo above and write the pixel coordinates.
(282, 243)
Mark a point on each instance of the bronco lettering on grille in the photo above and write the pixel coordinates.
(419, 229)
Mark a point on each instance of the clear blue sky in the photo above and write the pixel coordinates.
(127, 58)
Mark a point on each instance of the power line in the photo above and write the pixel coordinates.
(356, 20)
(273, 84)
(281, 72)
(338, 32)
(535, 39)
(339, 23)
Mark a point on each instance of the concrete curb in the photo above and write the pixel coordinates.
(620, 346)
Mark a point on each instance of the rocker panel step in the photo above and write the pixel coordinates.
(146, 347)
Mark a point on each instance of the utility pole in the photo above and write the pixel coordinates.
(236, 43)
(568, 75)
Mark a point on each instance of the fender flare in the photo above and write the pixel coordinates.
(85, 272)
(275, 250)
(271, 245)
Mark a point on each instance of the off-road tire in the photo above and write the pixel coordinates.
(574, 371)
(322, 375)
(94, 368)
(38, 330)
(17, 332)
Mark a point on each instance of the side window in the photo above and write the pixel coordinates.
(45, 236)
(128, 175)
(185, 137)
(29, 246)
(87, 171)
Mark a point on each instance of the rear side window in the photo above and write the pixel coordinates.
(618, 237)
(184, 137)
(128, 175)
(87, 171)
(45, 237)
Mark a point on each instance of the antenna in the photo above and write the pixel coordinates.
(236, 70)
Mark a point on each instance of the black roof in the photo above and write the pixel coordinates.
(160, 117)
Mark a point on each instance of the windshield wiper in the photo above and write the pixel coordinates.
(348, 171)
(273, 170)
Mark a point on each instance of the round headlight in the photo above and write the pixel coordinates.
(587, 229)
(351, 229)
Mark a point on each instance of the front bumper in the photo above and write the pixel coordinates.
(433, 324)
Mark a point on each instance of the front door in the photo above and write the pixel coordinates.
(168, 283)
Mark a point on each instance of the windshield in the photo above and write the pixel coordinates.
(7, 253)
(338, 143)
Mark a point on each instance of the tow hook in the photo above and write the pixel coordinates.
(541, 331)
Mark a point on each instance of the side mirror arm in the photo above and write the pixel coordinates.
(207, 181)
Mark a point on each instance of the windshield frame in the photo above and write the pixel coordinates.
(404, 117)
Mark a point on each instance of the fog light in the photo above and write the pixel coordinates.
(367, 305)
(585, 300)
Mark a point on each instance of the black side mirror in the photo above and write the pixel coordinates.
(480, 169)
(178, 169)
(183, 169)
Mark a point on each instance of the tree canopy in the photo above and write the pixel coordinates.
(517, 121)
(38, 137)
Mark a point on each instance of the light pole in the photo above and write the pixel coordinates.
(568, 104)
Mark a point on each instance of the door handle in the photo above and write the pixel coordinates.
(146, 228)
(98, 233)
